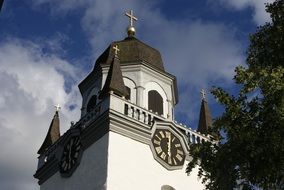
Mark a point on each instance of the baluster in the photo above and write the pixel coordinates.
(146, 120)
(198, 139)
(193, 139)
(151, 120)
(141, 118)
(136, 114)
(130, 111)
(126, 109)
(189, 138)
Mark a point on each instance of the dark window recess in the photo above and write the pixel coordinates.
(92, 103)
(155, 102)
(128, 93)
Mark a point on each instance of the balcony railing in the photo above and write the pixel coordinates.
(139, 114)
(193, 137)
(147, 117)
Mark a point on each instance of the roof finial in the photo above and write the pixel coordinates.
(57, 107)
(202, 92)
(116, 50)
(130, 28)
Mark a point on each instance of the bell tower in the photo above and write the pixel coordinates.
(126, 137)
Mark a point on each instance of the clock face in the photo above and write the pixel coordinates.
(70, 156)
(168, 147)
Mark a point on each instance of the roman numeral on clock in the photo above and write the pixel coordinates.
(159, 150)
(157, 142)
(162, 134)
(178, 156)
(163, 155)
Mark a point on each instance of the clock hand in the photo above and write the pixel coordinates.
(69, 155)
(169, 146)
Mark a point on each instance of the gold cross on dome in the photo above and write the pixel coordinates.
(131, 17)
(202, 92)
(116, 49)
(57, 107)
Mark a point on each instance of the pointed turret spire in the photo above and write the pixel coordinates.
(205, 120)
(114, 81)
(53, 133)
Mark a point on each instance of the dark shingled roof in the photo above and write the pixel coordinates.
(114, 81)
(205, 120)
(131, 51)
(53, 134)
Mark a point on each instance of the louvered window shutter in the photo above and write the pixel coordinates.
(155, 102)
(128, 91)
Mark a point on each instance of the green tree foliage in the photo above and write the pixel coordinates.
(251, 151)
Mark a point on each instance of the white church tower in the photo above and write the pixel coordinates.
(126, 137)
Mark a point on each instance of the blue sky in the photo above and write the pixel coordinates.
(48, 46)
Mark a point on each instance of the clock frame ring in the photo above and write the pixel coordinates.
(168, 145)
(71, 154)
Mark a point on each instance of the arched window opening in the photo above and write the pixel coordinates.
(155, 102)
(128, 93)
(167, 187)
(92, 103)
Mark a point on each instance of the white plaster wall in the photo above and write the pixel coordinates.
(89, 175)
(131, 165)
(116, 162)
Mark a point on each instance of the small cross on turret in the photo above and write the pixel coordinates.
(202, 92)
(57, 107)
(116, 50)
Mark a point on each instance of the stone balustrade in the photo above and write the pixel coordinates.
(140, 114)
(147, 117)
(92, 115)
(193, 137)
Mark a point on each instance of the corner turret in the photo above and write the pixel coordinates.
(205, 119)
(114, 81)
(53, 133)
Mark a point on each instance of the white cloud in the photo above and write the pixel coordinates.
(198, 52)
(31, 83)
(260, 16)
